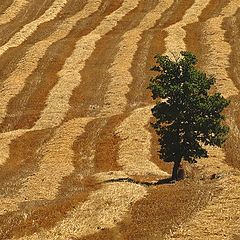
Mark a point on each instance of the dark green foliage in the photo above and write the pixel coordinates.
(190, 117)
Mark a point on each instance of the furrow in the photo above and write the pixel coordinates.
(20, 112)
(57, 103)
(33, 11)
(91, 6)
(219, 50)
(31, 27)
(12, 11)
(174, 42)
(152, 42)
(115, 100)
(107, 145)
(28, 64)
(15, 83)
(232, 37)
(55, 164)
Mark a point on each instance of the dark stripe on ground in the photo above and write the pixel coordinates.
(88, 98)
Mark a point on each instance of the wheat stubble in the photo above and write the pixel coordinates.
(57, 103)
(12, 11)
(15, 83)
(115, 99)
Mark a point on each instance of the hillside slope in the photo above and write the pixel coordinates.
(75, 114)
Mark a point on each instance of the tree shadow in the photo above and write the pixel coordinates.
(142, 183)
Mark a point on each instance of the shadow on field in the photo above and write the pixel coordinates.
(142, 183)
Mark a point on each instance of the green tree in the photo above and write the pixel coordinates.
(187, 116)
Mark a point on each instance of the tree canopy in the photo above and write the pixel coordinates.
(187, 116)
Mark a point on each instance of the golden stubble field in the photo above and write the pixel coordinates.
(75, 114)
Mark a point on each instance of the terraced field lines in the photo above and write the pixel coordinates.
(69, 76)
(217, 220)
(16, 81)
(223, 211)
(137, 139)
(115, 100)
(55, 164)
(219, 50)
(12, 11)
(174, 42)
(102, 210)
(31, 27)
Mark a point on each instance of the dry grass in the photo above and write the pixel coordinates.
(104, 209)
(174, 42)
(5, 141)
(115, 101)
(165, 209)
(12, 11)
(36, 216)
(15, 83)
(119, 210)
(220, 219)
(137, 140)
(69, 77)
(31, 27)
(55, 164)
(231, 25)
(231, 146)
(219, 50)
(94, 215)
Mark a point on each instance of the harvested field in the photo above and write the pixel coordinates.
(78, 158)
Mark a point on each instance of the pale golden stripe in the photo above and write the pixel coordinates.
(69, 76)
(12, 11)
(135, 147)
(31, 27)
(115, 99)
(15, 83)
(55, 164)
(104, 209)
(217, 56)
(174, 42)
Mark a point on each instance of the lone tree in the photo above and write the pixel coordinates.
(188, 117)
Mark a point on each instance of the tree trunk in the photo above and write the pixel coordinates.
(175, 169)
(178, 156)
